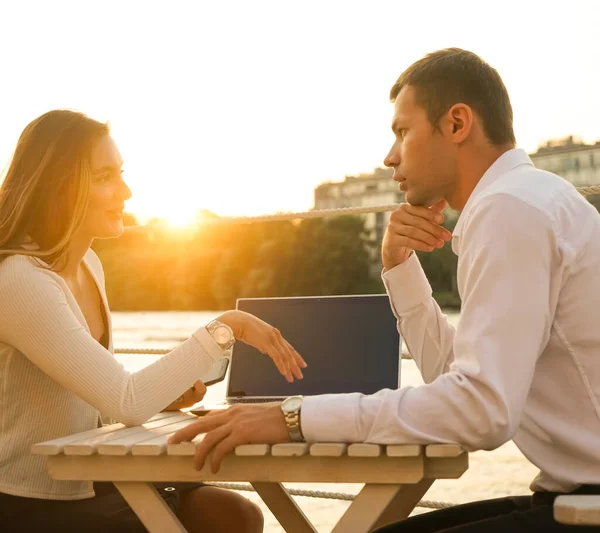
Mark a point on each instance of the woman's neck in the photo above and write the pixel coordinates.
(79, 246)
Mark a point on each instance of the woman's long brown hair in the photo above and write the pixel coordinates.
(44, 194)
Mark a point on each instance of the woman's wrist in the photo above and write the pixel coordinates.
(231, 319)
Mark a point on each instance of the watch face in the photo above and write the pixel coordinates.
(222, 335)
(291, 404)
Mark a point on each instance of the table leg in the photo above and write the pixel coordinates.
(283, 506)
(150, 508)
(379, 504)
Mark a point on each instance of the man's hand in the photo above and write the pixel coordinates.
(191, 396)
(267, 340)
(240, 424)
(413, 228)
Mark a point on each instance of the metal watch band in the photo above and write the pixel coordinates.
(292, 421)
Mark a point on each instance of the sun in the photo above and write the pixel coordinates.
(180, 218)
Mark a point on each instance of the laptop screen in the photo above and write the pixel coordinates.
(350, 344)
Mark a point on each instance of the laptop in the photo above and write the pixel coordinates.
(350, 344)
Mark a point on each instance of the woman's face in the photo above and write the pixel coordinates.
(108, 192)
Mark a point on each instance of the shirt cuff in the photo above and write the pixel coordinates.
(317, 415)
(407, 286)
(209, 344)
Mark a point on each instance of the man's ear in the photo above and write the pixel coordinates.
(460, 117)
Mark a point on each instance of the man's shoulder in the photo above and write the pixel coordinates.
(552, 196)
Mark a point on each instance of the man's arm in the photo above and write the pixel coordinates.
(424, 328)
(506, 261)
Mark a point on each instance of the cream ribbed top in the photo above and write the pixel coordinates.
(56, 379)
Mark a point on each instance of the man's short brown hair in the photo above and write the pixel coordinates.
(451, 76)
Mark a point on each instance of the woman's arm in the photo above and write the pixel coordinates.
(36, 319)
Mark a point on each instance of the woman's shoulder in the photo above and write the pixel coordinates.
(24, 274)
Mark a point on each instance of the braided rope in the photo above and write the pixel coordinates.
(319, 213)
(429, 504)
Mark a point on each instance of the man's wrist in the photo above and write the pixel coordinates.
(389, 265)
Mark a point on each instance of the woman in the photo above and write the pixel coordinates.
(63, 189)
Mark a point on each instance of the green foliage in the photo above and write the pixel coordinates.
(214, 264)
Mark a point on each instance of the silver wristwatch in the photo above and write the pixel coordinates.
(221, 333)
(291, 411)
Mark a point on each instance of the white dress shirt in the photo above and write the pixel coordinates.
(524, 361)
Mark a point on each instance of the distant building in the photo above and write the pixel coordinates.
(376, 188)
(571, 159)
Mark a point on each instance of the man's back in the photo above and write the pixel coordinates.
(559, 429)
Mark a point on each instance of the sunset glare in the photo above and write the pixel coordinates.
(243, 108)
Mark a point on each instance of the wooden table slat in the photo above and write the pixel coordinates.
(158, 444)
(122, 445)
(404, 450)
(185, 448)
(252, 450)
(361, 449)
(89, 445)
(328, 449)
(444, 450)
(289, 449)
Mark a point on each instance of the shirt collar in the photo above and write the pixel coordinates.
(505, 163)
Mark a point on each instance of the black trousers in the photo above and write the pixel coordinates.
(107, 512)
(512, 514)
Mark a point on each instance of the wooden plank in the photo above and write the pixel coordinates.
(375, 504)
(252, 450)
(577, 509)
(328, 449)
(56, 446)
(403, 503)
(89, 445)
(305, 469)
(283, 506)
(121, 445)
(364, 450)
(185, 448)
(446, 467)
(158, 444)
(150, 508)
(444, 450)
(404, 450)
(289, 449)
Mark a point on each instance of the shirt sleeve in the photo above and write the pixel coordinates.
(425, 330)
(37, 321)
(504, 277)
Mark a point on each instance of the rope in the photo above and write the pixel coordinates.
(429, 504)
(318, 213)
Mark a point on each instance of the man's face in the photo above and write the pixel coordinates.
(423, 158)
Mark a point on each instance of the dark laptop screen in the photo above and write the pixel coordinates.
(349, 342)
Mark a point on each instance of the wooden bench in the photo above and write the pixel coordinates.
(395, 477)
(577, 510)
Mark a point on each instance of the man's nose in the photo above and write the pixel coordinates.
(391, 160)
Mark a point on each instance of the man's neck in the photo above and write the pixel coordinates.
(471, 169)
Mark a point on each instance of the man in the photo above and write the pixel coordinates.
(524, 362)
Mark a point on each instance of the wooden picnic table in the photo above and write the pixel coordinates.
(395, 476)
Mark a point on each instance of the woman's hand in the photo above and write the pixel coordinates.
(267, 340)
(191, 396)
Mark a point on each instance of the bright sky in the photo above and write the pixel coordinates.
(244, 107)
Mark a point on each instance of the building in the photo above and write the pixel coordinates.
(376, 188)
(570, 158)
